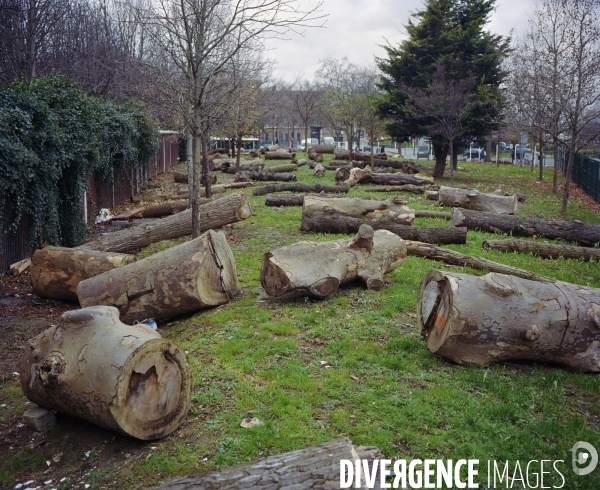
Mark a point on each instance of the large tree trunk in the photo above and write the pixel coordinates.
(493, 318)
(282, 168)
(451, 257)
(473, 199)
(315, 467)
(265, 176)
(215, 214)
(358, 208)
(56, 271)
(420, 213)
(245, 168)
(320, 268)
(323, 148)
(189, 277)
(397, 179)
(440, 152)
(182, 178)
(279, 155)
(406, 167)
(292, 199)
(168, 208)
(269, 189)
(121, 377)
(328, 220)
(546, 250)
(341, 154)
(573, 231)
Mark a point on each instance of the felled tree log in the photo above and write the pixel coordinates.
(189, 277)
(215, 214)
(432, 195)
(319, 170)
(473, 199)
(293, 199)
(397, 179)
(351, 177)
(279, 155)
(419, 213)
(500, 192)
(323, 148)
(168, 208)
(316, 206)
(331, 221)
(271, 188)
(301, 162)
(385, 170)
(305, 469)
(264, 176)
(245, 168)
(314, 156)
(406, 167)
(282, 168)
(415, 189)
(546, 250)
(479, 320)
(573, 231)
(320, 268)
(451, 257)
(340, 154)
(121, 377)
(182, 178)
(56, 271)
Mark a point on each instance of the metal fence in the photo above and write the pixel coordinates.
(585, 173)
(13, 239)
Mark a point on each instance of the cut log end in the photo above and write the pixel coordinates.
(433, 309)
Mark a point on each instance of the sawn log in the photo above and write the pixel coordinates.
(279, 155)
(189, 277)
(546, 250)
(483, 319)
(215, 214)
(293, 199)
(320, 268)
(473, 199)
(573, 231)
(121, 377)
(415, 189)
(299, 187)
(56, 271)
(264, 176)
(397, 179)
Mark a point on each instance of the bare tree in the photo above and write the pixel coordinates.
(447, 102)
(304, 97)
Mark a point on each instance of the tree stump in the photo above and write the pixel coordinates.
(319, 170)
(214, 214)
(473, 199)
(121, 377)
(316, 207)
(483, 319)
(189, 277)
(320, 268)
(56, 271)
(573, 231)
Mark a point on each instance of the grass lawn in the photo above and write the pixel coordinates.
(383, 388)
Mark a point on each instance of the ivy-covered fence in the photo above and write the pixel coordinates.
(53, 139)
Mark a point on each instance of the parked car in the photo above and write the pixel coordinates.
(474, 155)
(503, 146)
(516, 153)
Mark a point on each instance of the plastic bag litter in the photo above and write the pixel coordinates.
(104, 215)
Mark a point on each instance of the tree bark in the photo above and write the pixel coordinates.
(287, 200)
(415, 189)
(319, 171)
(451, 257)
(351, 177)
(279, 155)
(314, 156)
(189, 277)
(473, 199)
(56, 271)
(245, 168)
(340, 154)
(332, 221)
(546, 250)
(265, 176)
(493, 318)
(397, 179)
(359, 208)
(182, 178)
(419, 213)
(323, 148)
(168, 208)
(120, 377)
(215, 214)
(320, 268)
(305, 469)
(268, 189)
(573, 231)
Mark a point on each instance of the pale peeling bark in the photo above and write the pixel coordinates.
(215, 214)
(483, 319)
(319, 171)
(473, 199)
(189, 277)
(351, 177)
(359, 208)
(120, 377)
(320, 268)
(56, 271)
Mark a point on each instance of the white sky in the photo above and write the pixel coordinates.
(356, 28)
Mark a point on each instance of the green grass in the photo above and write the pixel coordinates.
(383, 387)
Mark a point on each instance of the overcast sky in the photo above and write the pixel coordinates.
(357, 28)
